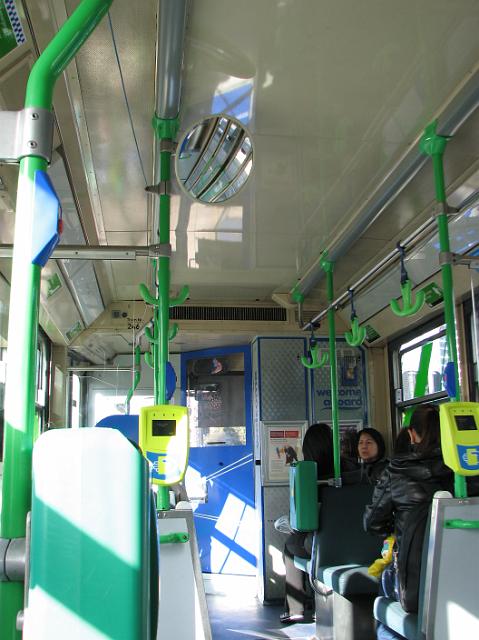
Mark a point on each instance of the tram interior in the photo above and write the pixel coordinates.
(316, 109)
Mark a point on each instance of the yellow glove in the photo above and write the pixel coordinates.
(380, 564)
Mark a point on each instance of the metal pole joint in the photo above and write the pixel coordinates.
(12, 559)
(24, 133)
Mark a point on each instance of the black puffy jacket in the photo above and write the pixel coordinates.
(409, 480)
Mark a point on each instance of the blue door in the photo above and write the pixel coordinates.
(216, 385)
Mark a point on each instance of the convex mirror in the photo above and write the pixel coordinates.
(214, 159)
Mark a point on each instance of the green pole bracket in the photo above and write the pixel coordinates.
(421, 380)
(434, 146)
(461, 524)
(174, 538)
(136, 379)
(297, 296)
(314, 362)
(20, 390)
(163, 498)
(328, 267)
(165, 128)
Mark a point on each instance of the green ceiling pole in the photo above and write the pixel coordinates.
(434, 145)
(327, 265)
(24, 301)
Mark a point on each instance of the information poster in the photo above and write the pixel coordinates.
(11, 30)
(283, 448)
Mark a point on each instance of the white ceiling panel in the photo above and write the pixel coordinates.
(333, 94)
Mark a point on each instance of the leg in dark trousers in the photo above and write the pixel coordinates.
(296, 580)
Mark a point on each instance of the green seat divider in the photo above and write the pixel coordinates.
(303, 496)
(90, 573)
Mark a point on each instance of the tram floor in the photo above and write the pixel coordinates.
(236, 613)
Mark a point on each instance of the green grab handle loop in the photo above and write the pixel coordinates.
(181, 297)
(356, 336)
(174, 538)
(461, 524)
(147, 297)
(149, 359)
(150, 337)
(173, 332)
(315, 362)
(409, 308)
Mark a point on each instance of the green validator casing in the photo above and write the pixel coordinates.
(303, 496)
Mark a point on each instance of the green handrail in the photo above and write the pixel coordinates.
(461, 524)
(24, 303)
(136, 378)
(174, 538)
(434, 145)
(327, 266)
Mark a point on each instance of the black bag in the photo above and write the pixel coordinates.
(410, 556)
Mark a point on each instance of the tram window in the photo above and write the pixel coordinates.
(215, 397)
(409, 359)
(405, 357)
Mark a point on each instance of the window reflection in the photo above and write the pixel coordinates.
(215, 397)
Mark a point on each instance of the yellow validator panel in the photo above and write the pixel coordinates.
(164, 440)
(460, 436)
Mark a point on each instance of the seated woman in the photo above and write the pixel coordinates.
(411, 479)
(317, 446)
(371, 451)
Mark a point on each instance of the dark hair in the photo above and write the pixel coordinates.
(318, 446)
(378, 439)
(425, 422)
(403, 442)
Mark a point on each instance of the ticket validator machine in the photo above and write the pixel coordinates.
(460, 436)
(164, 440)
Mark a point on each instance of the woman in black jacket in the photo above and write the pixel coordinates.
(410, 480)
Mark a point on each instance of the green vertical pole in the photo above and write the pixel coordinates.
(328, 268)
(24, 301)
(164, 277)
(434, 146)
(164, 130)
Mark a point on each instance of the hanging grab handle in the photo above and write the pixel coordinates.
(313, 361)
(356, 336)
(409, 307)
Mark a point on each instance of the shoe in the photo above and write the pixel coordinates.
(292, 618)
